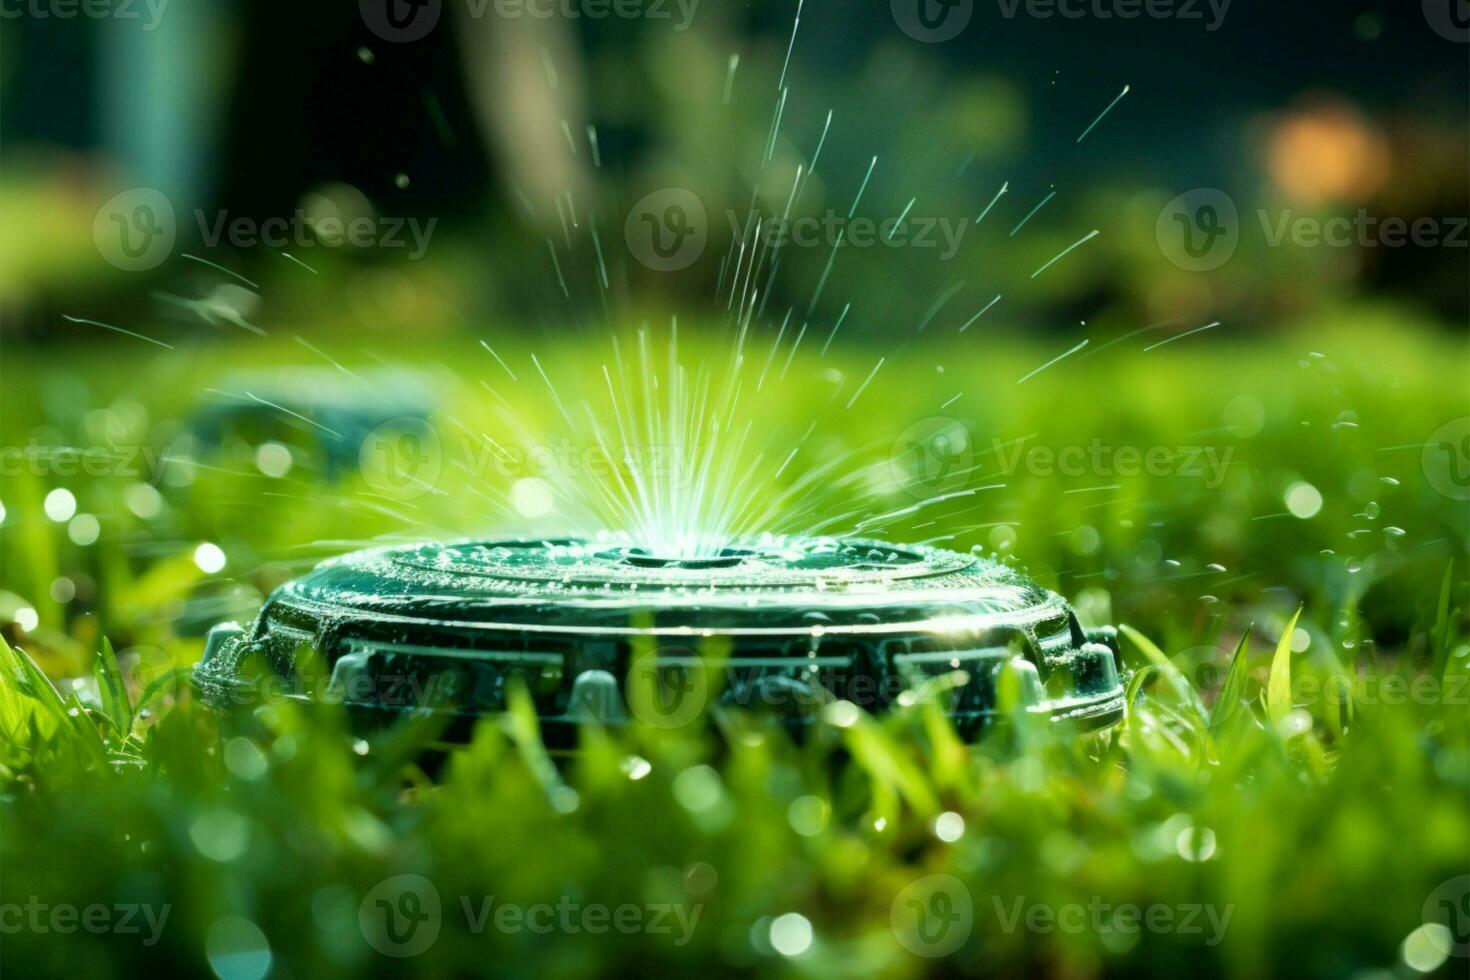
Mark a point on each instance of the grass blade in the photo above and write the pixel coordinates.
(1441, 636)
(1232, 693)
(1136, 682)
(1278, 687)
(112, 689)
(156, 686)
(1166, 667)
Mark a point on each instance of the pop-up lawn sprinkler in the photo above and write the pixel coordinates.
(606, 631)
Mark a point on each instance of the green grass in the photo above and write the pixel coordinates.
(1297, 805)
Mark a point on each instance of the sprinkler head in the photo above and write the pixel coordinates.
(606, 631)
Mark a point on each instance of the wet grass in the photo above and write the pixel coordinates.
(1287, 795)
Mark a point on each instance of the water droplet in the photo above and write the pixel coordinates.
(60, 505)
(1303, 500)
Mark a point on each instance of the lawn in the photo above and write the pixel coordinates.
(1287, 795)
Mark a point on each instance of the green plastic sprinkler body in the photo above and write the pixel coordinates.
(603, 631)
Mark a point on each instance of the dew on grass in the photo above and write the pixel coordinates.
(273, 459)
(842, 714)
(1195, 844)
(698, 788)
(949, 826)
(60, 505)
(244, 759)
(209, 558)
(143, 500)
(532, 497)
(1303, 500)
(791, 934)
(220, 834)
(83, 530)
(1427, 947)
(63, 590)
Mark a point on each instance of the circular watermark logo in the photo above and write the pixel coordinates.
(667, 230)
(135, 230)
(1199, 229)
(401, 458)
(401, 915)
(400, 21)
(1449, 905)
(933, 456)
(932, 21)
(1450, 19)
(933, 916)
(668, 691)
(1446, 459)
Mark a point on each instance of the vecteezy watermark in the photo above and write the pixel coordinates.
(444, 689)
(833, 228)
(1101, 917)
(150, 12)
(1210, 13)
(298, 230)
(932, 21)
(1362, 690)
(933, 916)
(137, 230)
(402, 458)
(403, 21)
(933, 456)
(935, 21)
(1200, 230)
(405, 457)
(1208, 463)
(403, 915)
(668, 229)
(145, 463)
(669, 690)
(97, 918)
(937, 455)
(1446, 459)
(1448, 906)
(673, 688)
(1450, 19)
(1363, 230)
